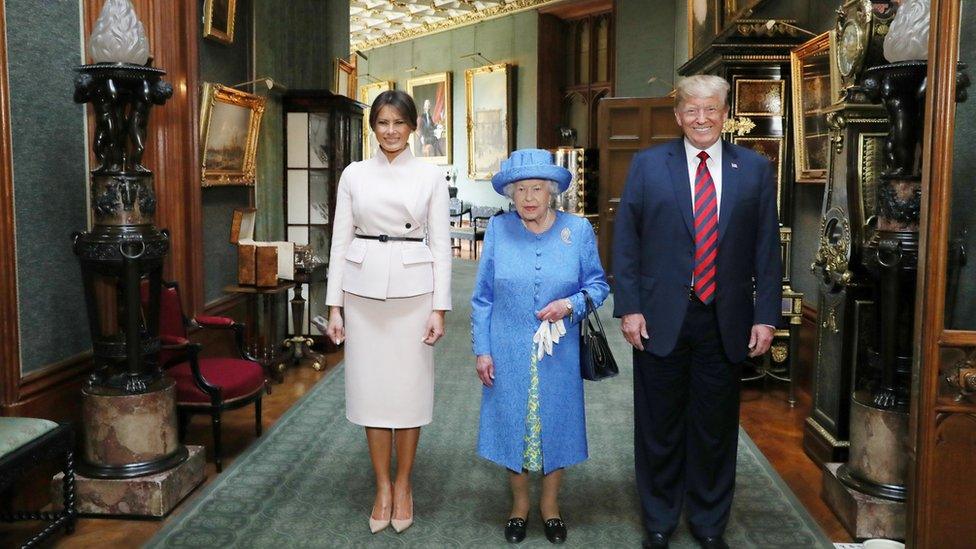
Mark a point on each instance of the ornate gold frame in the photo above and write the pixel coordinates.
(339, 67)
(715, 7)
(436, 78)
(820, 46)
(218, 93)
(208, 29)
(781, 84)
(781, 142)
(364, 92)
(469, 76)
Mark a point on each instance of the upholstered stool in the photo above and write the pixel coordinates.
(26, 442)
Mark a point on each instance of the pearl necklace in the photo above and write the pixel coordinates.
(545, 224)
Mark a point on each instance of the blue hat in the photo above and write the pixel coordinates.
(530, 164)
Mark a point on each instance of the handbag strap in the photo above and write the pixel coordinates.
(591, 310)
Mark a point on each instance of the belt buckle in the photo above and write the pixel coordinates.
(384, 238)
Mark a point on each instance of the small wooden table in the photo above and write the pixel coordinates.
(269, 354)
(299, 347)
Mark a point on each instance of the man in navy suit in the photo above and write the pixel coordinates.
(698, 283)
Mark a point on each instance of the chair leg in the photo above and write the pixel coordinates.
(215, 421)
(257, 416)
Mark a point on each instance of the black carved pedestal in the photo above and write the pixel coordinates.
(128, 405)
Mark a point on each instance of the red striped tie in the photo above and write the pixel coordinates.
(706, 231)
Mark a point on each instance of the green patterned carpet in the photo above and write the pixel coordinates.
(307, 481)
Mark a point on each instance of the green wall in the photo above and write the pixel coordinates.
(49, 178)
(295, 43)
(226, 64)
(510, 39)
(647, 44)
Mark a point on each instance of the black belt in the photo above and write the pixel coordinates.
(388, 238)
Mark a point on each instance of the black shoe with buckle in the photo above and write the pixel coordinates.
(712, 542)
(555, 530)
(655, 540)
(515, 530)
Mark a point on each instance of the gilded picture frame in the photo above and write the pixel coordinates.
(343, 78)
(815, 86)
(367, 94)
(488, 98)
(230, 121)
(218, 20)
(434, 139)
(704, 24)
(736, 9)
(770, 148)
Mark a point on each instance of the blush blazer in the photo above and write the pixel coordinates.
(404, 198)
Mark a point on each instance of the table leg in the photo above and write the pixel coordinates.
(300, 345)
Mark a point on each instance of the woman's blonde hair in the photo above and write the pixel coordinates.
(701, 86)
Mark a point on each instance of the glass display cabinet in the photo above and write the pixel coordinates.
(942, 429)
(323, 134)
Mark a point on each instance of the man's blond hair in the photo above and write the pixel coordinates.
(701, 86)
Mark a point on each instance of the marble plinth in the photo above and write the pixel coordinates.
(151, 496)
(862, 515)
(129, 435)
(878, 464)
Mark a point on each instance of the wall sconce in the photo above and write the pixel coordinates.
(477, 54)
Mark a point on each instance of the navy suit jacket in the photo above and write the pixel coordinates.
(654, 246)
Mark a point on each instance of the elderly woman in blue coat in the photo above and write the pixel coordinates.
(536, 264)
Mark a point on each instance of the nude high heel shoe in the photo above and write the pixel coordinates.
(399, 525)
(378, 525)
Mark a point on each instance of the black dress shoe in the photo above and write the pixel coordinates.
(655, 540)
(712, 542)
(555, 530)
(515, 530)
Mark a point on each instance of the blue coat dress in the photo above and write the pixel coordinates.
(519, 274)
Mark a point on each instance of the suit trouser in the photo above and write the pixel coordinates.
(686, 415)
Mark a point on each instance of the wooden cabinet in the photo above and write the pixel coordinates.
(626, 125)
(323, 134)
(942, 432)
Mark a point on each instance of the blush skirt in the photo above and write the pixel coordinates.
(389, 370)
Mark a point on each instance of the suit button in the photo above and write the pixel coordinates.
(538, 267)
(538, 252)
(407, 225)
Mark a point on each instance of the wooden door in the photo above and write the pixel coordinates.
(626, 126)
(942, 431)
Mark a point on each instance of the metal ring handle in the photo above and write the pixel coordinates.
(135, 256)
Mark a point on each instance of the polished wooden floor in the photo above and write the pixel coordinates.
(775, 427)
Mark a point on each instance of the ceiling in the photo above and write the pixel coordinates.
(374, 23)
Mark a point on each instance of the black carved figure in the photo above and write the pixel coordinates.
(147, 95)
(901, 89)
(104, 97)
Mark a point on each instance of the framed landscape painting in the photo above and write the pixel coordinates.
(229, 123)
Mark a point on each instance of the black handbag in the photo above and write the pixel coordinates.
(596, 360)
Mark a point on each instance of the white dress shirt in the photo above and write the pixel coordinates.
(714, 164)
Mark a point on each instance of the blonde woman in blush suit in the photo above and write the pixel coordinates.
(389, 287)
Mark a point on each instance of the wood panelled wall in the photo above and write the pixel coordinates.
(172, 154)
(9, 330)
(172, 151)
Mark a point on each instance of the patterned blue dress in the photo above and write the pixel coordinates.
(520, 273)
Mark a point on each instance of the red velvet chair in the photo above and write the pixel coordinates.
(205, 385)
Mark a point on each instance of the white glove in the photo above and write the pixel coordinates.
(546, 336)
